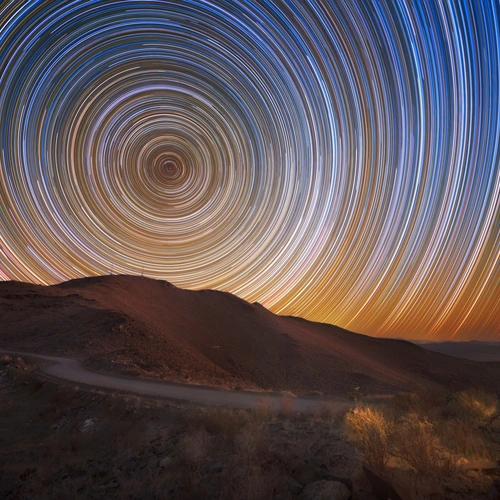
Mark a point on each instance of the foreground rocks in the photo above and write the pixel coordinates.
(81, 443)
(494, 490)
(381, 484)
(325, 490)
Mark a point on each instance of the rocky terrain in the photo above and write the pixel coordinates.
(59, 442)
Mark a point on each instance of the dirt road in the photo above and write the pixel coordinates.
(72, 370)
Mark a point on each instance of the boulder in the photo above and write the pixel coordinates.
(293, 486)
(307, 474)
(484, 465)
(165, 462)
(381, 484)
(325, 490)
(473, 474)
(494, 490)
(87, 425)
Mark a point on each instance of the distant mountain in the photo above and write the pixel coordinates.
(147, 327)
(474, 350)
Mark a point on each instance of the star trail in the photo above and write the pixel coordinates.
(336, 160)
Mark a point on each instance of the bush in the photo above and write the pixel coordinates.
(195, 447)
(464, 439)
(286, 411)
(264, 411)
(425, 402)
(477, 405)
(369, 430)
(415, 442)
(327, 411)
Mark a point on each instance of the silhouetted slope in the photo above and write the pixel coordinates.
(139, 325)
(473, 350)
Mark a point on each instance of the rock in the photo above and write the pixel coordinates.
(131, 465)
(114, 483)
(165, 462)
(486, 465)
(19, 363)
(294, 487)
(494, 490)
(344, 480)
(472, 474)
(325, 490)
(307, 474)
(276, 427)
(157, 450)
(97, 467)
(381, 484)
(215, 468)
(5, 359)
(87, 425)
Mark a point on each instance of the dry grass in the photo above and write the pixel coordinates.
(221, 421)
(144, 449)
(424, 403)
(264, 410)
(463, 439)
(369, 430)
(195, 447)
(477, 405)
(327, 411)
(421, 440)
(286, 410)
(415, 442)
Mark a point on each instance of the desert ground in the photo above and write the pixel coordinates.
(64, 441)
(145, 407)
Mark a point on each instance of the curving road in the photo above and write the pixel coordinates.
(72, 370)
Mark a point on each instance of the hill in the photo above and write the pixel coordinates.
(140, 326)
(473, 349)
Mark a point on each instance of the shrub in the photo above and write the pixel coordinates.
(369, 430)
(264, 410)
(252, 444)
(404, 402)
(425, 402)
(195, 447)
(222, 421)
(355, 395)
(414, 441)
(463, 438)
(286, 411)
(477, 405)
(327, 411)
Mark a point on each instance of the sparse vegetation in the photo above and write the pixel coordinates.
(264, 411)
(145, 448)
(423, 439)
(327, 411)
(369, 430)
(477, 405)
(414, 441)
(286, 410)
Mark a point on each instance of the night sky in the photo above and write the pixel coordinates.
(336, 160)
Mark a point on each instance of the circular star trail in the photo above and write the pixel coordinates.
(337, 160)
